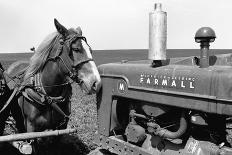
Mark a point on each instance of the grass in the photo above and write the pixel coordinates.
(84, 116)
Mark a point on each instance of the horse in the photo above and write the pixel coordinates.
(62, 58)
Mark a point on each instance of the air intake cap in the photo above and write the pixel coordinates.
(205, 34)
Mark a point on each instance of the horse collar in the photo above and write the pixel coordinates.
(40, 88)
(39, 95)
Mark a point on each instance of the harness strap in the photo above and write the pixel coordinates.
(57, 108)
(41, 99)
(33, 96)
(10, 99)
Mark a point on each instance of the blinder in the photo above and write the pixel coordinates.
(66, 60)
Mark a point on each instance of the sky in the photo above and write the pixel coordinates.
(112, 24)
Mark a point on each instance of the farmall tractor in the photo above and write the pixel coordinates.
(161, 106)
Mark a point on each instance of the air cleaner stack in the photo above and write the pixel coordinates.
(157, 35)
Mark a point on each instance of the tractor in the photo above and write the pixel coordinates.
(167, 106)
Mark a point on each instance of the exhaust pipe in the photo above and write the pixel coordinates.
(172, 135)
(157, 35)
(154, 128)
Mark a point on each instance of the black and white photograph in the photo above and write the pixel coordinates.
(115, 77)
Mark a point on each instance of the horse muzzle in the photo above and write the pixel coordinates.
(92, 88)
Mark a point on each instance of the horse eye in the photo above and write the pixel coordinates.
(75, 46)
(76, 49)
(85, 39)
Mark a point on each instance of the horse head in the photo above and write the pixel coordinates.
(76, 56)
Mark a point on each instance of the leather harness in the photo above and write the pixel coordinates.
(35, 92)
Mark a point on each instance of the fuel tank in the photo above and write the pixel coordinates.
(179, 82)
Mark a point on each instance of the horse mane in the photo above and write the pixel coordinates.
(41, 54)
(16, 67)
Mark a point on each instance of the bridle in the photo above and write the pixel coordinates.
(66, 60)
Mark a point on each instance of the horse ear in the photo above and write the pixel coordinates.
(60, 28)
(79, 31)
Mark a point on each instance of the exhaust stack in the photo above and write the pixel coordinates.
(204, 36)
(157, 35)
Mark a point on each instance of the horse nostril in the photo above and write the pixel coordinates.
(94, 86)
